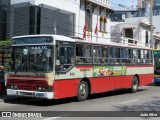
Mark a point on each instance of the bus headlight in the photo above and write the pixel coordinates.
(39, 88)
(15, 86)
(43, 88)
(12, 86)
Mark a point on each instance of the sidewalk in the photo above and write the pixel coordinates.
(4, 98)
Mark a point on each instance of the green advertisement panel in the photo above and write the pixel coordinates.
(109, 70)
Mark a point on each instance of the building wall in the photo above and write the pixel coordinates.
(26, 19)
(103, 37)
(139, 32)
(155, 21)
(43, 16)
(55, 20)
(4, 17)
(71, 6)
(19, 23)
(157, 2)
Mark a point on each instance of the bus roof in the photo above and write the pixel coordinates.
(69, 39)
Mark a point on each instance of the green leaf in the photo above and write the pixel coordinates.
(5, 42)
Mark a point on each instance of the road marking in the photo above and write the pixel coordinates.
(53, 118)
(128, 101)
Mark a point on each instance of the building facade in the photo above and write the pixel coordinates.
(157, 2)
(4, 17)
(28, 19)
(94, 14)
(132, 33)
(63, 17)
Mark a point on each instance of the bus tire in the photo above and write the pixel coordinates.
(83, 91)
(135, 84)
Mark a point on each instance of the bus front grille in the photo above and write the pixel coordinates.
(27, 88)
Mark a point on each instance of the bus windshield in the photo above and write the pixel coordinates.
(157, 58)
(32, 58)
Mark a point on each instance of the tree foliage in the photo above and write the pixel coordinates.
(5, 42)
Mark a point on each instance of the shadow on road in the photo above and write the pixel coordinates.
(153, 85)
(153, 105)
(46, 102)
(112, 93)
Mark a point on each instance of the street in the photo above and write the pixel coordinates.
(146, 99)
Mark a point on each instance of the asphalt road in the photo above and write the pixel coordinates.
(111, 105)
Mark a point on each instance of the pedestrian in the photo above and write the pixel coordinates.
(2, 80)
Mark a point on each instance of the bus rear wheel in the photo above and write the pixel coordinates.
(83, 91)
(135, 84)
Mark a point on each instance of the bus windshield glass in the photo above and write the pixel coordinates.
(157, 58)
(32, 58)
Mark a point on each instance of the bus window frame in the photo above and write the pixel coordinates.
(59, 45)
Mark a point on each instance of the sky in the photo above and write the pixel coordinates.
(124, 4)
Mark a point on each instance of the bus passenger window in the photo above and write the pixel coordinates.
(126, 55)
(83, 54)
(66, 58)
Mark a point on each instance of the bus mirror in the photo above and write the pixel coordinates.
(25, 51)
(57, 62)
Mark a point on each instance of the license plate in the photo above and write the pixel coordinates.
(39, 94)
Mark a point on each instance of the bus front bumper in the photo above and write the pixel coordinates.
(35, 94)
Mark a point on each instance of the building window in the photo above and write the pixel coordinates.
(89, 19)
(103, 23)
(146, 37)
(129, 33)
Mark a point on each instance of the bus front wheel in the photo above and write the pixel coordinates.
(135, 84)
(83, 91)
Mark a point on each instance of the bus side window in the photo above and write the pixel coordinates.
(83, 54)
(126, 55)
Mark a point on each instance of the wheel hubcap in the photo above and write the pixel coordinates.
(135, 85)
(82, 89)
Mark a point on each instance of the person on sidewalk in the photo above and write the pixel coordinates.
(2, 80)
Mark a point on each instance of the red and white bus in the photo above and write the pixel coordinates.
(55, 66)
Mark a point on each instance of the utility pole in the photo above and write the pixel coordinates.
(55, 28)
(151, 33)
